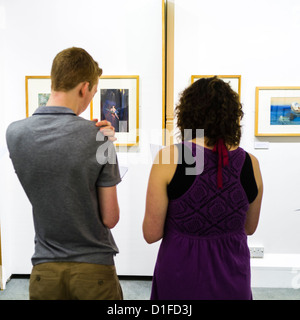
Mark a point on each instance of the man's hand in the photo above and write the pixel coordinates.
(106, 128)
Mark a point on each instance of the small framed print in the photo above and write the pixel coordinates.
(234, 81)
(277, 111)
(117, 100)
(38, 90)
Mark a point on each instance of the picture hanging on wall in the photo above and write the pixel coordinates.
(234, 81)
(117, 100)
(277, 111)
(38, 89)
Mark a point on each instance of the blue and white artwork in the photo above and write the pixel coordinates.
(43, 99)
(114, 108)
(285, 111)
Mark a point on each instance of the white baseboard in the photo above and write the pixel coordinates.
(272, 271)
(276, 271)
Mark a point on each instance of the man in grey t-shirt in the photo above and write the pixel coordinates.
(74, 198)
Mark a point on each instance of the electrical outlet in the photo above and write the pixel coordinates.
(256, 252)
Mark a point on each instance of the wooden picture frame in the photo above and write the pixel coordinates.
(37, 93)
(277, 111)
(117, 100)
(233, 80)
(37, 90)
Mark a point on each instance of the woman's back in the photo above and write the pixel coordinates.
(204, 240)
(204, 210)
(204, 252)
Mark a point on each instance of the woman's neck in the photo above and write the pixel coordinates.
(202, 141)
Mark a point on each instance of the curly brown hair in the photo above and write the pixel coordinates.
(210, 104)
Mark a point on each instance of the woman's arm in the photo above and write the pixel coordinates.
(254, 207)
(157, 201)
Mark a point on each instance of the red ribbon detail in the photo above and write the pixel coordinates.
(222, 151)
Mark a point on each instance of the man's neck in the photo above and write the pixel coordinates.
(63, 99)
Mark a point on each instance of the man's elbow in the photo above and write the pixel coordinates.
(111, 224)
(112, 220)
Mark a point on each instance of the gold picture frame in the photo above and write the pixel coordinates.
(37, 92)
(233, 80)
(117, 100)
(277, 111)
(37, 88)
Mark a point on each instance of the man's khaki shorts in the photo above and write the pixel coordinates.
(74, 281)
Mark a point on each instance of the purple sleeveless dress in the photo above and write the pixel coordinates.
(204, 253)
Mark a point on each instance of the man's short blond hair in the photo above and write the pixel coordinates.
(71, 67)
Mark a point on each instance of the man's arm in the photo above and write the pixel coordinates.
(107, 129)
(109, 207)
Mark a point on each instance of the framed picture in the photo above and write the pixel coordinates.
(277, 111)
(38, 89)
(117, 101)
(234, 81)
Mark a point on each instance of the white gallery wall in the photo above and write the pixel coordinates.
(258, 40)
(125, 37)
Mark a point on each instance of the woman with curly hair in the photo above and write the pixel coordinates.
(204, 219)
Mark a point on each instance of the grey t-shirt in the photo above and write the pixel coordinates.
(54, 156)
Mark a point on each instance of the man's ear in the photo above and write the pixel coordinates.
(84, 87)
